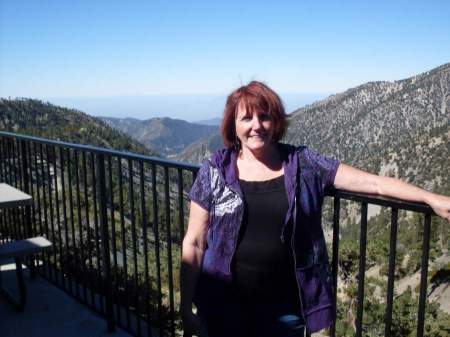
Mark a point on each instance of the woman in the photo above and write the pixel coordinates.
(254, 256)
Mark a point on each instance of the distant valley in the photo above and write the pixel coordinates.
(164, 135)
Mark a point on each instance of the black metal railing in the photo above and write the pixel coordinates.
(116, 221)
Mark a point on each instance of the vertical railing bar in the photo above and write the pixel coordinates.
(65, 264)
(423, 275)
(48, 253)
(7, 161)
(13, 212)
(82, 265)
(106, 266)
(2, 180)
(41, 231)
(58, 218)
(10, 163)
(144, 238)
(2, 162)
(22, 186)
(391, 273)
(113, 236)
(50, 201)
(124, 242)
(4, 146)
(74, 260)
(335, 258)
(88, 228)
(20, 164)
(157, 246)
(133, 241)
(6, 168)
(25, 186)
(169, 249)
(96, 234)
(29, 210)
(180, 206)
(14, 160)
(38, 200)
(12, 221)
(17, 166)
(33, 206)
(362, 268)
(11, 224)
(22, 211)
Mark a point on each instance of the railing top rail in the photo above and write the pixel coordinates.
(359, 197)
(100, 150)
(382, 201)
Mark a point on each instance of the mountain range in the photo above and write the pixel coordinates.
(399, 128)
(165, 135)
(36, 118)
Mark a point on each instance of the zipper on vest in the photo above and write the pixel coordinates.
(295, 262)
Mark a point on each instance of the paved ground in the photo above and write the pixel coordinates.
(49, 312)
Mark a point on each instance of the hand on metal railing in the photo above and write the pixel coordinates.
(440, 205)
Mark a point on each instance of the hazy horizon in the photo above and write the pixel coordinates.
(191, 108)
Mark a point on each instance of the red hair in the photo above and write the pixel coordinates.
(255, 97)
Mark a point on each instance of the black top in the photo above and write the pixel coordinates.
(264, 267)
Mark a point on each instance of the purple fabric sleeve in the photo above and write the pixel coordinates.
(201, 192)
(325, 167)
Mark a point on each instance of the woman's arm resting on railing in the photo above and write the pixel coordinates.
(194, 244)
(354, 180)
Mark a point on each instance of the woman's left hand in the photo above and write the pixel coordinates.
(440, 205)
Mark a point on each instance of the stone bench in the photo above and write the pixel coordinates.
(25, 247)
(17, 250)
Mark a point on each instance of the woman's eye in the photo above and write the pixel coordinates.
(264, 117)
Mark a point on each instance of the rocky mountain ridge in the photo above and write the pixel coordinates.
(384, 127)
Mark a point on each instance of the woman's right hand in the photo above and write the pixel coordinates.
(191, 324)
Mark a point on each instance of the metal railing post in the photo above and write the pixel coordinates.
(106, 266)
(362, 269)
(391, 275)
(423, 275)
(26, 187)
(335, 258)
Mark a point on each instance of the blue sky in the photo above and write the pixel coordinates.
(66, 49)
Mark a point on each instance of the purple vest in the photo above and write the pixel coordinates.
(307, 176)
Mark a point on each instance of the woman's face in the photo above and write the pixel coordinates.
(254, 130)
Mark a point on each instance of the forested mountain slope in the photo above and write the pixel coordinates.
(37, 118)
